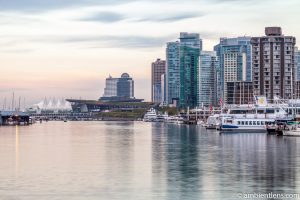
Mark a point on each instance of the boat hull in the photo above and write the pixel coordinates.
(292, 133)
(240, 130)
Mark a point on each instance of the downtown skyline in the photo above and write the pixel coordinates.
(68, 48)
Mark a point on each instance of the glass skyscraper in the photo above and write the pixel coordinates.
(208, 64)
(235, 62)
(122, 88)
(172, 76)
(190, 47)
(181, 78)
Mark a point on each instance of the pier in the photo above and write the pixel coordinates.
(14, 118)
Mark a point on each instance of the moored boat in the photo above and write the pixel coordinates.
(292, 128)
(150, 116)
(245, 119)
(213, 121)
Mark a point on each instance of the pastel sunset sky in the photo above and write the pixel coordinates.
(66, 48)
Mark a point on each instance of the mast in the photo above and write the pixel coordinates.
(4, 104)
(19, 107)
(13, 101)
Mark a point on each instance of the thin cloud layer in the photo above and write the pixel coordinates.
(106, 17)
(171, 17)
(78, 39)
(43, 5)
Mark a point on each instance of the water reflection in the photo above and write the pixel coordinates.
(193, 163)
(148, 161)
(17, 151)
(175, 156)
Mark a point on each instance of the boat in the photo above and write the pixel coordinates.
(200, 122)
(175, 119)
(213, 121)
(292, 128)
(22, 123)
(247, 119)
(150, 116)
(162, 117)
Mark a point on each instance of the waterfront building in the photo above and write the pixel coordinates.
(50, 106)
(181, 75)
(85, 106)
(239, 92)
(297, 89)
(273, 64)
(163, 89)
(118, 88)
(235, 62)
(190, 47)
(14, 118)
(172, 76)
(297, 64)
(208, 64)
(157, 70)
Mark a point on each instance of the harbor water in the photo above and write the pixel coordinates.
(138, 160)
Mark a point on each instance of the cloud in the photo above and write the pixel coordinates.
(43, 5)
(14, 51)
(106, 17)
(121, 41)
(171, 18)
(89, 41)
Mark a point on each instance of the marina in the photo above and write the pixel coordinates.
(262, 117)
(114, 160)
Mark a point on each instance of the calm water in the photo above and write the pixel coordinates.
(124, 160)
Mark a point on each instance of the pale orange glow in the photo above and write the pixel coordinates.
(73, 49)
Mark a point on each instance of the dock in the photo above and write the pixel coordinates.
(14, 118)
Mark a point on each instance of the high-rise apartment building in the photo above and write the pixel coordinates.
(235, 62)
(239, 92)
(157, 70)
(273, 64)
(189, 51)
(172, 75)
(208, 65)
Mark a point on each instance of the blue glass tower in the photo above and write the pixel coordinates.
(235, 61)
(208, 64)
(190, 47)
(172, 78)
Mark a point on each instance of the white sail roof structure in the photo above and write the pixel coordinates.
(52, 105)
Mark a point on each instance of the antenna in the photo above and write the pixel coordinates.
(24, 103)
(13, 101)
(19, 107)
(4, 104)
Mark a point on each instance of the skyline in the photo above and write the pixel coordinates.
(68, 48)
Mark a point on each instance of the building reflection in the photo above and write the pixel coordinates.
(257, 163)
(175, 161)
(193, 163)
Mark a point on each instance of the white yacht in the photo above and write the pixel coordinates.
(150, 116)
(246, 119)
(213, 121)
(162, 117)
(175, 119)
(292, 128)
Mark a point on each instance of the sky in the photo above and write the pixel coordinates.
(66, 48)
